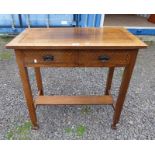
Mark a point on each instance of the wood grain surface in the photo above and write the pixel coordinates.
(80, 100)
(76, 38)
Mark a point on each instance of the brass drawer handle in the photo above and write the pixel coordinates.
(48, 58)
(104, 58)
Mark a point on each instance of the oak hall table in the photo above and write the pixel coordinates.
(75, 47)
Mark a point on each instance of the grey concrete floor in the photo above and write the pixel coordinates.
(127, 20)
(78, 122)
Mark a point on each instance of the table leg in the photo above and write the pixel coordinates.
(123, 88)
(109, 80)
(39, 80)
(27, 88)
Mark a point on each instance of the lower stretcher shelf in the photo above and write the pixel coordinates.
(73, 100)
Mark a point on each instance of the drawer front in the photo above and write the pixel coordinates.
(50, 58)
(103, 58)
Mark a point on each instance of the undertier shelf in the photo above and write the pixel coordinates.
(73, 100)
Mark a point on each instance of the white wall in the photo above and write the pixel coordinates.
(144, 15)
(102, 20)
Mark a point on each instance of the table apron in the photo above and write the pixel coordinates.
(76, 58)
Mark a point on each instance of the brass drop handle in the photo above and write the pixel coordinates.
(48, 58)
(104, 58)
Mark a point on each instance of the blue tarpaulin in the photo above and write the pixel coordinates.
(15, 23)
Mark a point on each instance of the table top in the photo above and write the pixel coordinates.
(76, 38)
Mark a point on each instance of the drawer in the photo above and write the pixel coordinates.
(99, 58)
(50, 58)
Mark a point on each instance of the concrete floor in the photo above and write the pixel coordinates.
(127, 21)
(78, 122)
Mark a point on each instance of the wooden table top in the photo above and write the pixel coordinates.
(76, 38)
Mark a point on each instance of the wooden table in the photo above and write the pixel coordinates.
(75, 47)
